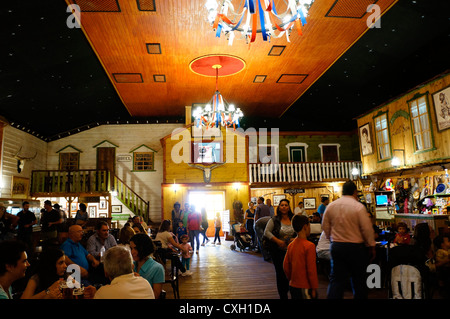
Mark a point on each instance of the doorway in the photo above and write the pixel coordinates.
(213, 202)
(106, 159)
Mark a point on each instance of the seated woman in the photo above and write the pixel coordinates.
(142, 249)
(165, 236)
(51, 270)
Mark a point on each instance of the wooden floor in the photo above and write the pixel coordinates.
(222, 273)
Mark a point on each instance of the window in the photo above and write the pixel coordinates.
(330, 152)
(143, 161)
(382, 133)
(421, 124)
(69, 161)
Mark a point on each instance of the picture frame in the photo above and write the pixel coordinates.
(309, 203)
(277, 199)
(441, 104)
(116, 208)
(102, 204)
(19, 187)
(92, 210)
(366, 140)
(102, 215)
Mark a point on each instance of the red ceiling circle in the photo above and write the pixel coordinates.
(227, 64)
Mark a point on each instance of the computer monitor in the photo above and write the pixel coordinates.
(381, 200)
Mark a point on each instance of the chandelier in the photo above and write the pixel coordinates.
(226, 18)
(217, 111)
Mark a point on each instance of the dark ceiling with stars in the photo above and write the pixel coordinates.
(51, 81)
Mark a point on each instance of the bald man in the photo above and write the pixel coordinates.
(76, 253)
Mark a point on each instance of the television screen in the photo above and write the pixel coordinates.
(210, 152)
(382, 200)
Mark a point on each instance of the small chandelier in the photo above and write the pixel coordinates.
(226, 19)
(217, 111)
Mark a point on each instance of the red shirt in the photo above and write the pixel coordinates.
(194, 220)
(300, 264)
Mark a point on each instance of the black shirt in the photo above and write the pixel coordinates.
(49, 217)
(25, 218)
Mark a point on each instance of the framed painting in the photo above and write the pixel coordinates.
(441, 102)
(309, 203)
(19, 187)
(102, 204)
(92, 211)
(116, 208)
(365, 139)
(277, 199)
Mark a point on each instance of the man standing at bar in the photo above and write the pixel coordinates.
(348, 226)
(26, 221)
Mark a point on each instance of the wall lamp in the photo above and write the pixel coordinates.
(396, 161)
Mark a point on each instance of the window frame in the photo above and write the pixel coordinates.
(430, 126)
(144, 170)
(379, 114)
(77, 168)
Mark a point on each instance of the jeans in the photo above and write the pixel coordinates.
(185, 262)
(217, 235)
(348, 260)
(194, 235)
(282, 281)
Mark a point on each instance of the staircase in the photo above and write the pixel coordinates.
(130, 199)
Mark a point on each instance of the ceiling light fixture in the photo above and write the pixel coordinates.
(217, 111)
(227, 18)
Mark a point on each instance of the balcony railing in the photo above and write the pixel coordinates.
(80, 181)
(302, 172)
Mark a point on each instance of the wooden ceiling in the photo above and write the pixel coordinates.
(119, 32)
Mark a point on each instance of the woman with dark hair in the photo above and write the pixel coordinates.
(82, 217)
(168, 244)
(51, 270)
(142, 250)
(280, 233)
(13, 265)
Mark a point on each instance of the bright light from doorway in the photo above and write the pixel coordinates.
(213, 202)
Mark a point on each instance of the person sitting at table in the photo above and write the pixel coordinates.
(119, 266)
(316, 218)
(13, 265)
(142, 250)
(45, 282)
(138, 229)
(402, 237)
(126, 232)
(101, 238)
(165, 236)
(82, 216)
(77, 254)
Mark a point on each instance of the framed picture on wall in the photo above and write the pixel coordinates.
(102, 215)
(19, 187)
(277, 198)
(365, 139)
(116, 208)
(309, 203)
(441, 101)
(92, 211)
(102, 204)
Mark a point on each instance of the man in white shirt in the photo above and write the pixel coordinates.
(350, 230)
(300, 209)
(118, 264)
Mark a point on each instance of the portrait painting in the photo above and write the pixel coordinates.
(365, 139)
(441, 101)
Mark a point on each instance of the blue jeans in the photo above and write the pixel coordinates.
(194, 235)
(348, 260)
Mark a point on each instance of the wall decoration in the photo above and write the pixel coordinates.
(102, 204)
(309, 203)
(19, 187)
(365, 138)
(277, 199)
(92, 210)
(116, 208)
(441, 101)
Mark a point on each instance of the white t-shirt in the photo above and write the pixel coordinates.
(163, 237)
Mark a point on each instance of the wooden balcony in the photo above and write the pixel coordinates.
(67, 183)
(302, 172)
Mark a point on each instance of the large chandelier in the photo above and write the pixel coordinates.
(226, 18)
(217, 112)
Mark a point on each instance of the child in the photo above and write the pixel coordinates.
(217, 225)
(442, 258)
(402, 237)
(181, 230)
(300, 262)
(186, 254)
